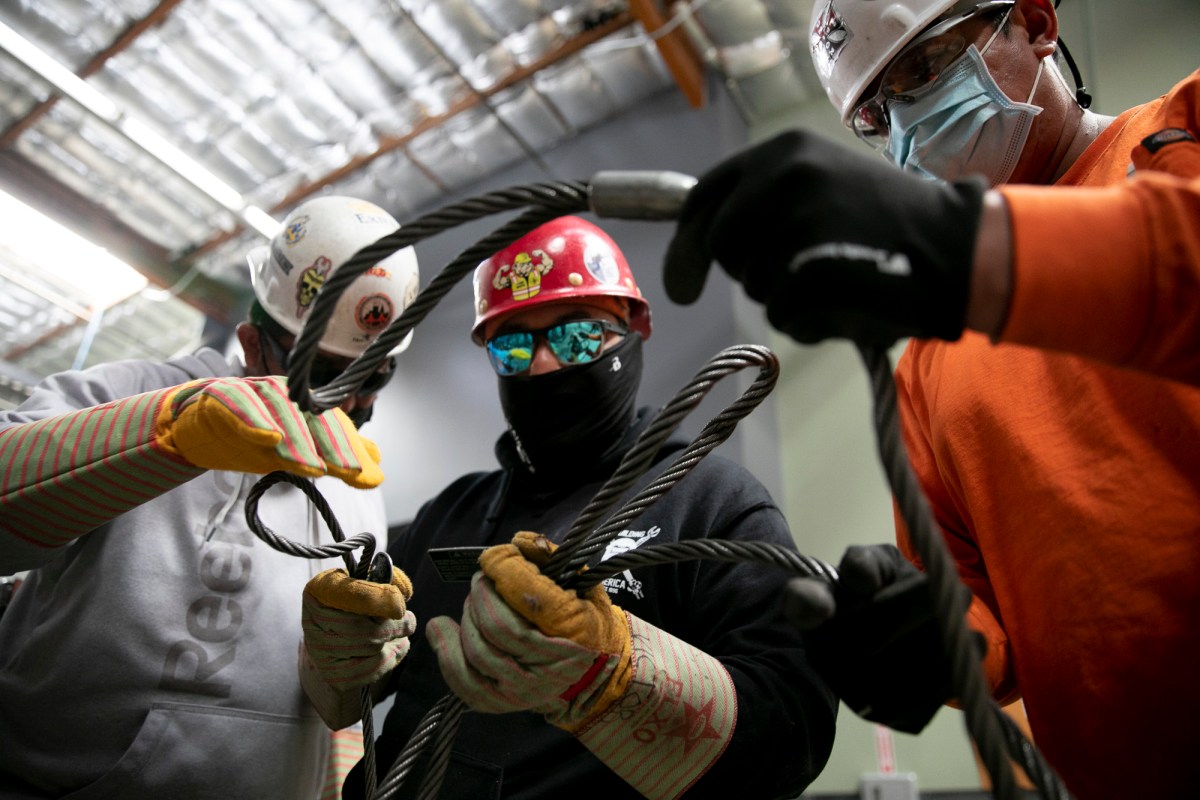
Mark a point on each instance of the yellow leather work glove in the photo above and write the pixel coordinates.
(250, 425)
(655, 709)
(356, 631)
(86, 467)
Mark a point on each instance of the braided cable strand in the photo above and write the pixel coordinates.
(1044, 778)
(981, 713)
(441, 724)
(579, 546)
(709, 550)
(341, 547)
(442, 716)
(987, 725)
(367, 713)
(443, 746)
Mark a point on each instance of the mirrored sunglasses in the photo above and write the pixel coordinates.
(575, 342)
(915, 70)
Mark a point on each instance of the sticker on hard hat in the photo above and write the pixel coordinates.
(828, 36)
(600, 263)
(310, 282)
(278, 258)
(296, 229)
(374, 312)
(524, 274)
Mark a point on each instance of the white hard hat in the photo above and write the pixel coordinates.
(315, 240)
(851, 41)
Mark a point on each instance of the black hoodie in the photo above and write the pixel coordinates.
(786, 716)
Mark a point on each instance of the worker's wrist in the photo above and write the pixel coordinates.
(991, 269)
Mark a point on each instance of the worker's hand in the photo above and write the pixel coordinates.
(619, 685)
(568, 648)
(250, 425)
(874, 638)
(834, 243)
(356, 631)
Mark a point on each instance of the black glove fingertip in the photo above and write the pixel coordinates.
(865, 569)
(685, 268)
(808, 603)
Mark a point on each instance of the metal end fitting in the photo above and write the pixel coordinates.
(639, 194)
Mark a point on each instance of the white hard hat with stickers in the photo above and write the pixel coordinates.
(316, 239)
(852, 41)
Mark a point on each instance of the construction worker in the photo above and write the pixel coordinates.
(151, 650)
(1057, 437)
(656, 682)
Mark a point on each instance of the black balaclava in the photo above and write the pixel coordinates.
(573, 413)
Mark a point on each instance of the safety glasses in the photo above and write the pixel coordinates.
(575, 342)
(323, 372)
(915, 70)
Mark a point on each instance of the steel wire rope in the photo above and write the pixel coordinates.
(991, 730)
(709, 550)
(580, 542)
(342, 547)
(575, 549)
(550, 199)
(440, 724)
(987, 725)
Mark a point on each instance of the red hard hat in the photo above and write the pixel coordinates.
(565, 259)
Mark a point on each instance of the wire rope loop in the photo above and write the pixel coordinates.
(581, 542)
(986, 724)
(550, 200)
(440, 724)
(342, 545)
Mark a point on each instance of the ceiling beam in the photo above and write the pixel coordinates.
(676, 50)
(36, 188)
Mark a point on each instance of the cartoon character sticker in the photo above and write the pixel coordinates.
(310, 282)
(524, 275)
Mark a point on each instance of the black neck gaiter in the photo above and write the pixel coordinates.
(575, 413)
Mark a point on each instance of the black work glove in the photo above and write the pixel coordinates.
(874, 638)
(834, 243)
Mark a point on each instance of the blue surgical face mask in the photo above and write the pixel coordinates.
(964, 125)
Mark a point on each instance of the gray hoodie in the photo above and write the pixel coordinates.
(155, 657)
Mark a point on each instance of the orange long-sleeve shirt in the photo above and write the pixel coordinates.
(1067, 480)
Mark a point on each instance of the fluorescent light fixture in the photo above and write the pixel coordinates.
(261, 221)
(75, 266)
(104, 109)
(59, 76)
(179, 162)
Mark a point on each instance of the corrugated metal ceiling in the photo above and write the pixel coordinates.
(398, 101)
